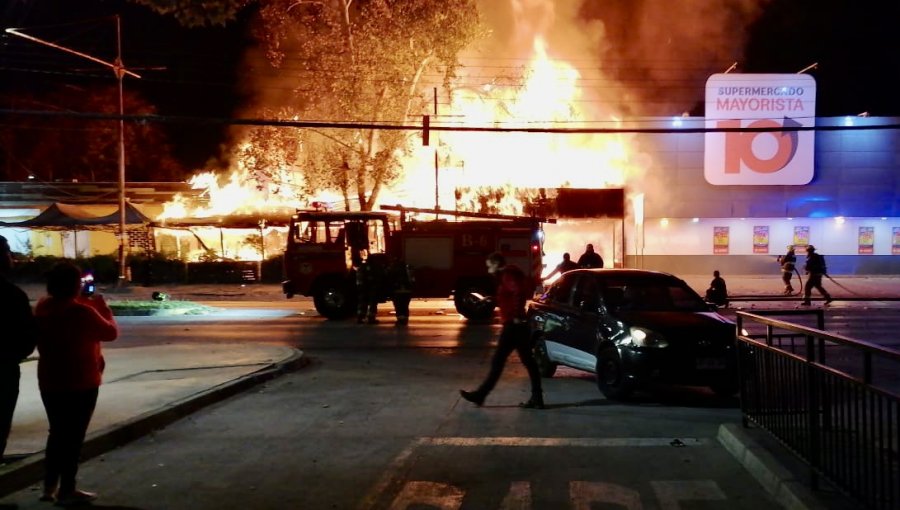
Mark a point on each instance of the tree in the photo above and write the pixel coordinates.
(192, 13)
(368, 61)
(86, 150)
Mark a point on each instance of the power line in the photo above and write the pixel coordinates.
(260, 122)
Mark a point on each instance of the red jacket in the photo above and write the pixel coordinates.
(68, 343)
(512, 293)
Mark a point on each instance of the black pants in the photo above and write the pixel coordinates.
(786, 278)
(401, 305)
(814, 282)
(513, 337)
(9, 394)
(367, 305)
(69, 413)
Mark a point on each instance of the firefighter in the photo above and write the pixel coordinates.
(369, 277)
(563, 267)
(717, 292)
(788, 261)
(816, 269)
(590, 259)
(399, 281)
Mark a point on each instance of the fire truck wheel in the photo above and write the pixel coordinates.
(332, 300)
(471, 303)
(546, 367)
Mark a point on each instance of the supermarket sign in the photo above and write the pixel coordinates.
(774, 106)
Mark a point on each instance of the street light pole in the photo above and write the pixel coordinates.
(120, 75)
(120, 72)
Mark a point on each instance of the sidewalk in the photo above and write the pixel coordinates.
(145, 388)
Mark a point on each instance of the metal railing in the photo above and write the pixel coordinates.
(833, 400)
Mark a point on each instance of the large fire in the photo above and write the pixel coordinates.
(507, 163)
(471, 165)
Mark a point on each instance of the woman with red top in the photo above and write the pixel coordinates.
(512, 293)
(70, 368)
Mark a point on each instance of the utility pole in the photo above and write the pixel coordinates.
(120, 72)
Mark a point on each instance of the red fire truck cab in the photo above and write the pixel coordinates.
(446, 256)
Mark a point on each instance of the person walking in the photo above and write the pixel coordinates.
(590, 259)
(563, 267)
(788, 262)
(513, 290)
(400, 282)
(717, 292)
(815, 267)
(71, 328)
(20, 332)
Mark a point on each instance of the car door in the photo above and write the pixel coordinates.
(583, 322)
(552, 316)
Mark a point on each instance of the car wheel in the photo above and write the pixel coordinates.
(611, 377)
(334, 299)
(546, 367)
(470, 305)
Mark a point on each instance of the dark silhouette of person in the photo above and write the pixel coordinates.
(513, 290)
(788, 262)
(717, 292)
(400, 282)
(563, 267)
(590, 259)
(815, 267)
(369, 286)
(19, 337)
(71, 328)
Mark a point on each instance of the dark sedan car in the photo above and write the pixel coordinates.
(632, 327)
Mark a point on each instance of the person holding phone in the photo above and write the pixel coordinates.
(70, 368)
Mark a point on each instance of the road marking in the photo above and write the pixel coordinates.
(585, 494)
(584, 442)
(517, 496)
(438, 495)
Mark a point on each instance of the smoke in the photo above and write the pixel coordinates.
(637, 57)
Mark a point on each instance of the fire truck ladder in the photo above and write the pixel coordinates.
(464, 214)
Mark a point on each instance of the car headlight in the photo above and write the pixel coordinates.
(641, 337)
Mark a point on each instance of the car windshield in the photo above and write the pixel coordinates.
(654, 295)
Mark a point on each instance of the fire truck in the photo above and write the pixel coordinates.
(445, 253)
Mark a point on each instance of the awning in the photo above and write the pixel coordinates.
(76, 217)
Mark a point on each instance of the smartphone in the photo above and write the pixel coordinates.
(87, 285)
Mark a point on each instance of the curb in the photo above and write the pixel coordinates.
(778, 481)
(31, 469)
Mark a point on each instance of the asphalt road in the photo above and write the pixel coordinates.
(375, 421)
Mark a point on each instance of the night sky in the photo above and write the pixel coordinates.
(202, 72)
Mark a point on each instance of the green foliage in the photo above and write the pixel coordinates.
(155, 269)
(141, 307)
(105, 268)
(194, 13)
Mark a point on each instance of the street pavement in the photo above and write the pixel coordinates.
(150, 386)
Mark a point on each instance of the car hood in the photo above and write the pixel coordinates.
(669, 323)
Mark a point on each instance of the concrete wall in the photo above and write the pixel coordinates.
(762, 264)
